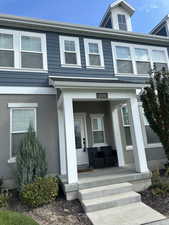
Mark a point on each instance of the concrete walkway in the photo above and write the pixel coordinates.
(116, 204)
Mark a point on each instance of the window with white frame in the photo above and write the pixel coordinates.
(22, 50)
(130, 59)
(20, 119)
(31, 52)
(122, 22)
(94, 53)
(150, 137)
(70, 51)
(6, 50)
(126, 126)
(123, 59)
(98, 132)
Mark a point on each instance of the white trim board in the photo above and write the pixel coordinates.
(27, 90)
(22, 105)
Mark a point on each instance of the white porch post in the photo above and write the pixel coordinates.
(61, 141)
(137, 137)
(117, 136)
(72, 174)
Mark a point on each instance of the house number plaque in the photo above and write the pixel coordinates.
(102, 95)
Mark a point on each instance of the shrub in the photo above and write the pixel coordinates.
(14, 218)
(30, 159)
(40, 192)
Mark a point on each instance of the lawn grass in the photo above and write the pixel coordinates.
(14, 218)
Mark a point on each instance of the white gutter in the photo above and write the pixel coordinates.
(39, 24)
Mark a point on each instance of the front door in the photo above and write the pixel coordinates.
(81, 139)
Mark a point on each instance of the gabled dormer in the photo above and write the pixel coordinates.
(118, 16)
(162, 28)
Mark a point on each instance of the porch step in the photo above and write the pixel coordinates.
(103, 191)
(98, 180)
(131, 214)
(110, 201)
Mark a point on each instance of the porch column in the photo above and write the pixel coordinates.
(117, 136)
(61, 141)
(137, 137)
(70, 139)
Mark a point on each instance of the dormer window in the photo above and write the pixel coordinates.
(122, 22)
(70, 51)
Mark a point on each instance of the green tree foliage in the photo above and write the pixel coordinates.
(155, 99)
(30, 159)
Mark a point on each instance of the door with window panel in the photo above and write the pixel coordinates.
(81, 140)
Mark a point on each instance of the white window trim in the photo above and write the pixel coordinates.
(133, 58)
(92, 116)
(62, 51)
(122, 14)
(86, 46)
(147, 145)
(128, 147)
(17, 50)
(12, 107)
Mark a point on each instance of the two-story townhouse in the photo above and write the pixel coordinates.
(77, 85)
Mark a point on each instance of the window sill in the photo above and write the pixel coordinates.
(158, 145)
(95, 67)
(129, 148)
(28, 70)
(12, 160)
(71, 66)
(131, 75)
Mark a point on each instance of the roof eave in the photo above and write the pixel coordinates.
(159, 24)
(28, 23)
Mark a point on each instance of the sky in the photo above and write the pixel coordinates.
(87, 12)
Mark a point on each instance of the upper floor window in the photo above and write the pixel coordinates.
(70, 51)
(22, 50)
(94, 53)
(137, 59)
(122, 22)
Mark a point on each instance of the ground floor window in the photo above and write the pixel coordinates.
(98, 132)
(127, 126)
(150, 137)
(20, 119)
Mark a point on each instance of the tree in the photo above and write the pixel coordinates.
(30, 159)
(155, 99)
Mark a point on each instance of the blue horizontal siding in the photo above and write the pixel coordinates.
(13, 78)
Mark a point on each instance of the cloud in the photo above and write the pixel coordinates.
(148, 5)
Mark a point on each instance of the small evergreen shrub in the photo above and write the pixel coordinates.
(40, 192)
(30, 160)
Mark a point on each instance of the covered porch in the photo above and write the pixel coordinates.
(75, 106)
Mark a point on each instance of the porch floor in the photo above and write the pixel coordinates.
(109, 175)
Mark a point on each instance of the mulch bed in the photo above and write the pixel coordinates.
(159, 203)
(60, 212)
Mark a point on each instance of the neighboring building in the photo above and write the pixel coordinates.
(77, 86)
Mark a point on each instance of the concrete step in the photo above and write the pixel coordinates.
(103, 191)
(90, 182)
(132, 214)
(110, 201)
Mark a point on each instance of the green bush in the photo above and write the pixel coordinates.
(4, 198)
(14, 218)
(30, 159)
(40, 192)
